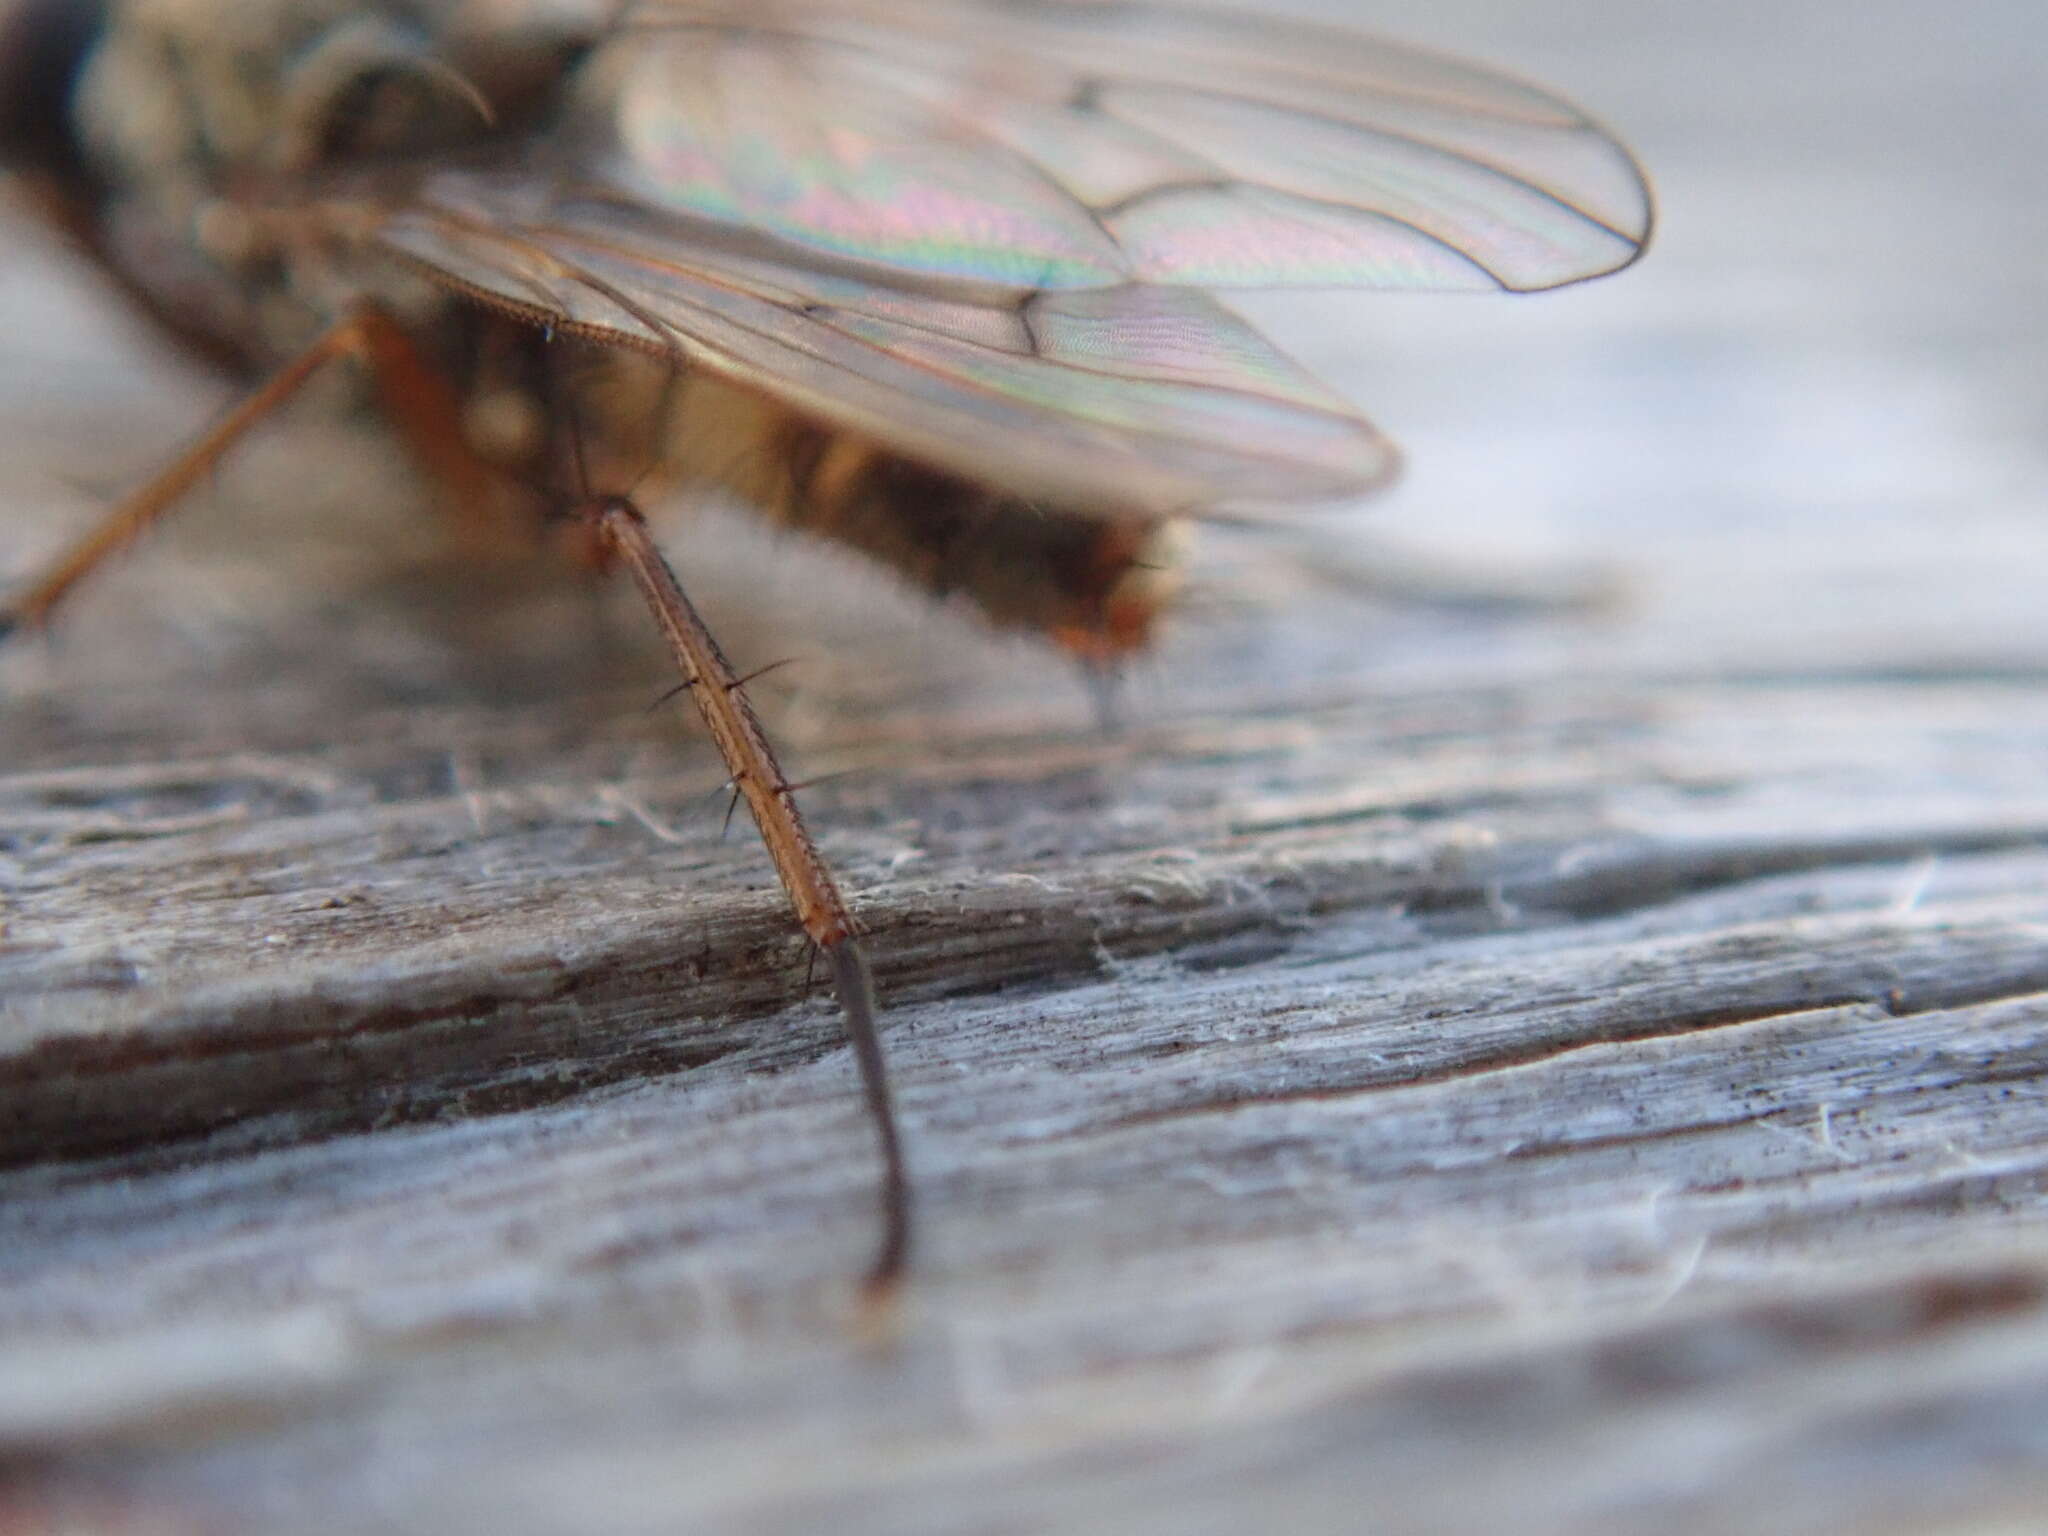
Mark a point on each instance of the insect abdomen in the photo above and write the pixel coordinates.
(1093, 581)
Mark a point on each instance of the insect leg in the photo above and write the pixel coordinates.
(419, 400)
(722, 702)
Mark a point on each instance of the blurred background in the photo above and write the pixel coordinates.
(1810, 428)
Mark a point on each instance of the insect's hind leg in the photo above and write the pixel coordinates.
(720, 696)
(412, 392)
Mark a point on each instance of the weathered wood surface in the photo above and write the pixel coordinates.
(1570, 1067)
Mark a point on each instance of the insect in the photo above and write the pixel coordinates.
(932, 278)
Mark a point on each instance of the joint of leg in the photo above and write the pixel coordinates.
(365, 331)
(606, 509)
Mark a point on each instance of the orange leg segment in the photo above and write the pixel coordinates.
(419, 401)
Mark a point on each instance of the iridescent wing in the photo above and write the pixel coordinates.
(982, 233)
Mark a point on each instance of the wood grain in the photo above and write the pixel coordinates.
(1539, 1021)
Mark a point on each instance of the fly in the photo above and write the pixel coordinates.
(930, 278)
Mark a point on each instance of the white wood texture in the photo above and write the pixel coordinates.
(1565, 1057)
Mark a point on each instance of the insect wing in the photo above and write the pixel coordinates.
(1079, 143)
(1149, 400)
(981, 234)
